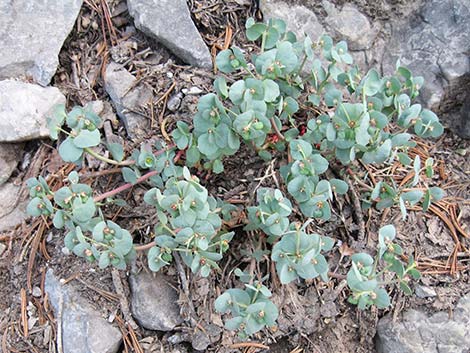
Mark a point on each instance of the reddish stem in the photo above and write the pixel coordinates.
(125, 186)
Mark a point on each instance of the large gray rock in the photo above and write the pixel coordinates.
(299, 19)
(83, 329)
(351, 25)
(417, 332)
(128, 98)
(435, 44)
(24, 108)
(169, 22)
(12, 211)
(32, 35)
(154, 302)
(9, 157)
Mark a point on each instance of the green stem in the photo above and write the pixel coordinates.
(263, 41)
(107, 160)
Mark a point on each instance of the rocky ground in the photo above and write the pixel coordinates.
(142, 65)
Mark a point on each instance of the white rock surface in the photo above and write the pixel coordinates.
(32, 34)
(24, 108)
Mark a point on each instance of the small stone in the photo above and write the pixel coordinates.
(83, 328)
(37, 292)
(9, 157)
(127, 98)
(24, 108)
(170, 23)
(154, 302)
(425, 292)
(174, 102)
(195, 90)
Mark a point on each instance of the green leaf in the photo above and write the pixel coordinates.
(220, 86)
(33, 208)
(69, 152)
(218, 166)
(129, 175)
(117, 151)
(87, 138)
(83, 212)
(405, 288)
(271, 90)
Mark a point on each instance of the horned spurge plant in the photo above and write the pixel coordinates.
(297, 100)
(250, 308)
(367, 281)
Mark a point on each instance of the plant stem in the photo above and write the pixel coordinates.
(144, 246)
(125, 186)
(276, 130)
(107, 160)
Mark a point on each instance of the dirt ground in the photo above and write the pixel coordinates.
(314, 316)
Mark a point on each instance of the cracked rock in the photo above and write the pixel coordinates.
(83, 329)
(32, 35)
(24, 108)
(170, 23)
(416, 332)
(351, 25)
(435, 44)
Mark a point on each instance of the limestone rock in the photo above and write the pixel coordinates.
(169, 22)
(435, 44)
(351, 25)
(83, 329)
(24, 108)
(154, 302)
(32, 35)
(417, 332)
(128, 98)
(299, 19)
(9, 157)
(13, 211)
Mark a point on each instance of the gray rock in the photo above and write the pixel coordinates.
(32, 35)
(174, 102)
(169, 22)
(299, 19)
(435, 44)
(24, 108)
(465, 118)
(154, 302)
(83, 329)
(128, 98)
(9, 157)
(418, 333)
(425, 292)
(201, 340)
(351, 25)
(12, 212)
